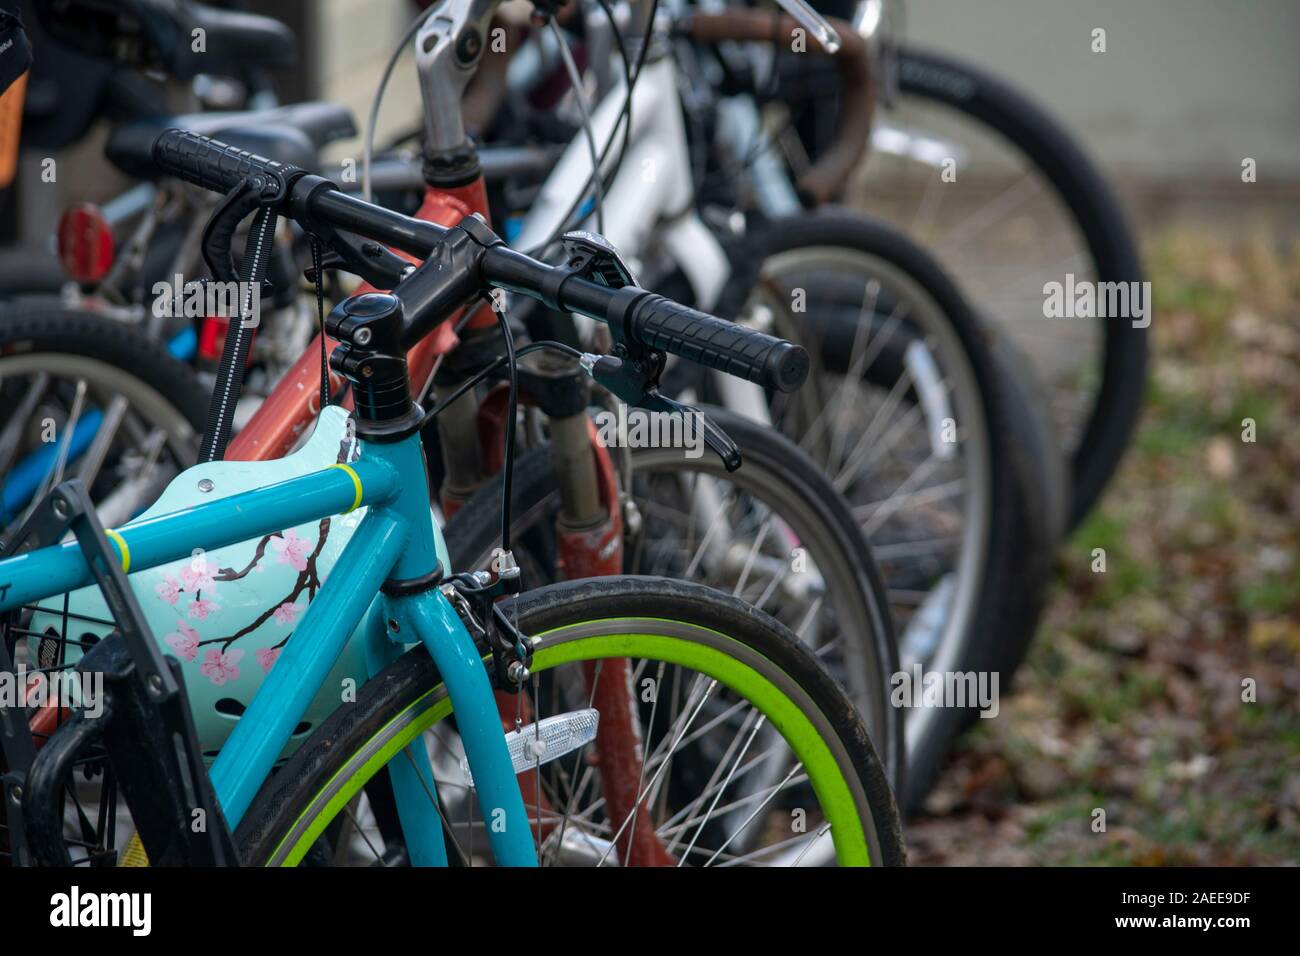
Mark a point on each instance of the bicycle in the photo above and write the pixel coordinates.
(966, 526)
(853, 610)
(932, 107)
(395, 552)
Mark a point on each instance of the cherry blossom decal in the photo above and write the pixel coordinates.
(199, 583)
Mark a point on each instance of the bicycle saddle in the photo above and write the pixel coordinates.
(234, 40)
(165, 34)
(288, 134)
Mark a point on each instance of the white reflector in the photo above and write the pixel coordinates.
(535, 744)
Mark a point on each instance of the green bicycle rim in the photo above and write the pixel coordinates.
(816, 747)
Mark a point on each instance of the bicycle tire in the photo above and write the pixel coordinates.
(1096, 210)
(588, 620)
(1029, 498)
(771, 463)
(115, 361)
(35, 328)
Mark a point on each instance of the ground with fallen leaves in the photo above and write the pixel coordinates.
(1132, 699)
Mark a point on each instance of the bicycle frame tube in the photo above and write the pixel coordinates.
(295, 401)
(652, 195)
(397, 536)
(146, 544)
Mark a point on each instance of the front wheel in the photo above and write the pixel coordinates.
(722, 692)
(775, 533)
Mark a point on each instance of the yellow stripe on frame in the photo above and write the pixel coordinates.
(121, 546)
(356, 483)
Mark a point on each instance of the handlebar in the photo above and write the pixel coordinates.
(476, 259)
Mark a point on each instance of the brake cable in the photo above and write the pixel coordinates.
(579, 97)
(368, 144)
(624, 120)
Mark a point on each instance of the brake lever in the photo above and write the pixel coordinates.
(636, 383)
(719, 442)
(632, 373)
(373, 262)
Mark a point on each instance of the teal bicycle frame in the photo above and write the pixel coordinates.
(397, 539)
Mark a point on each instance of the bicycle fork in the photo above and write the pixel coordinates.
(416, 609)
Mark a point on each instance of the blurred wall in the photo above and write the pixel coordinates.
(1185, 89)
(354, 39)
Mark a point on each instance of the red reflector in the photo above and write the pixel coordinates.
(212, 339)
(85, 243)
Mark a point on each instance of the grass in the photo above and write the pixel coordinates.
(1166, 689)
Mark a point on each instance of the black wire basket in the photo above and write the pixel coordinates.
(98, 754)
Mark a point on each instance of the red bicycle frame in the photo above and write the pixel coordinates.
(294, 404)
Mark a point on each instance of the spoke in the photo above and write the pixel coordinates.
(900, 428)
(912, 549)
(773, 583)
(658, 758)
(673, 749)
(773, 849)
(23, 411)
(437, 808)
(575, 793)
(865, 350)
(849, 467)
(825, 829)
(929, 495)
(715, 526)
(996, 208)
(65, 446)
(927, 209)
(900, 496)
(753, 720)
(93, 459)
(808, 618)
(684, 818)
(61, 459)
(859, 358)
(701, 686)
(751, 556)
(757, 810)
(379, 857)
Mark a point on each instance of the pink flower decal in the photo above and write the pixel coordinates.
(266, 656)
(219, 668)
(184, 641)
(169, 589)
(196, 576)
(286, 612)
(293, 550)
(200, 609)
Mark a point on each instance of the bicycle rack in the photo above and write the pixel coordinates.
(144, 731)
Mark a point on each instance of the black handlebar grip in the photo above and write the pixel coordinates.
(214, 165)
(668, 326)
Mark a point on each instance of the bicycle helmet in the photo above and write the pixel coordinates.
(225, 614)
